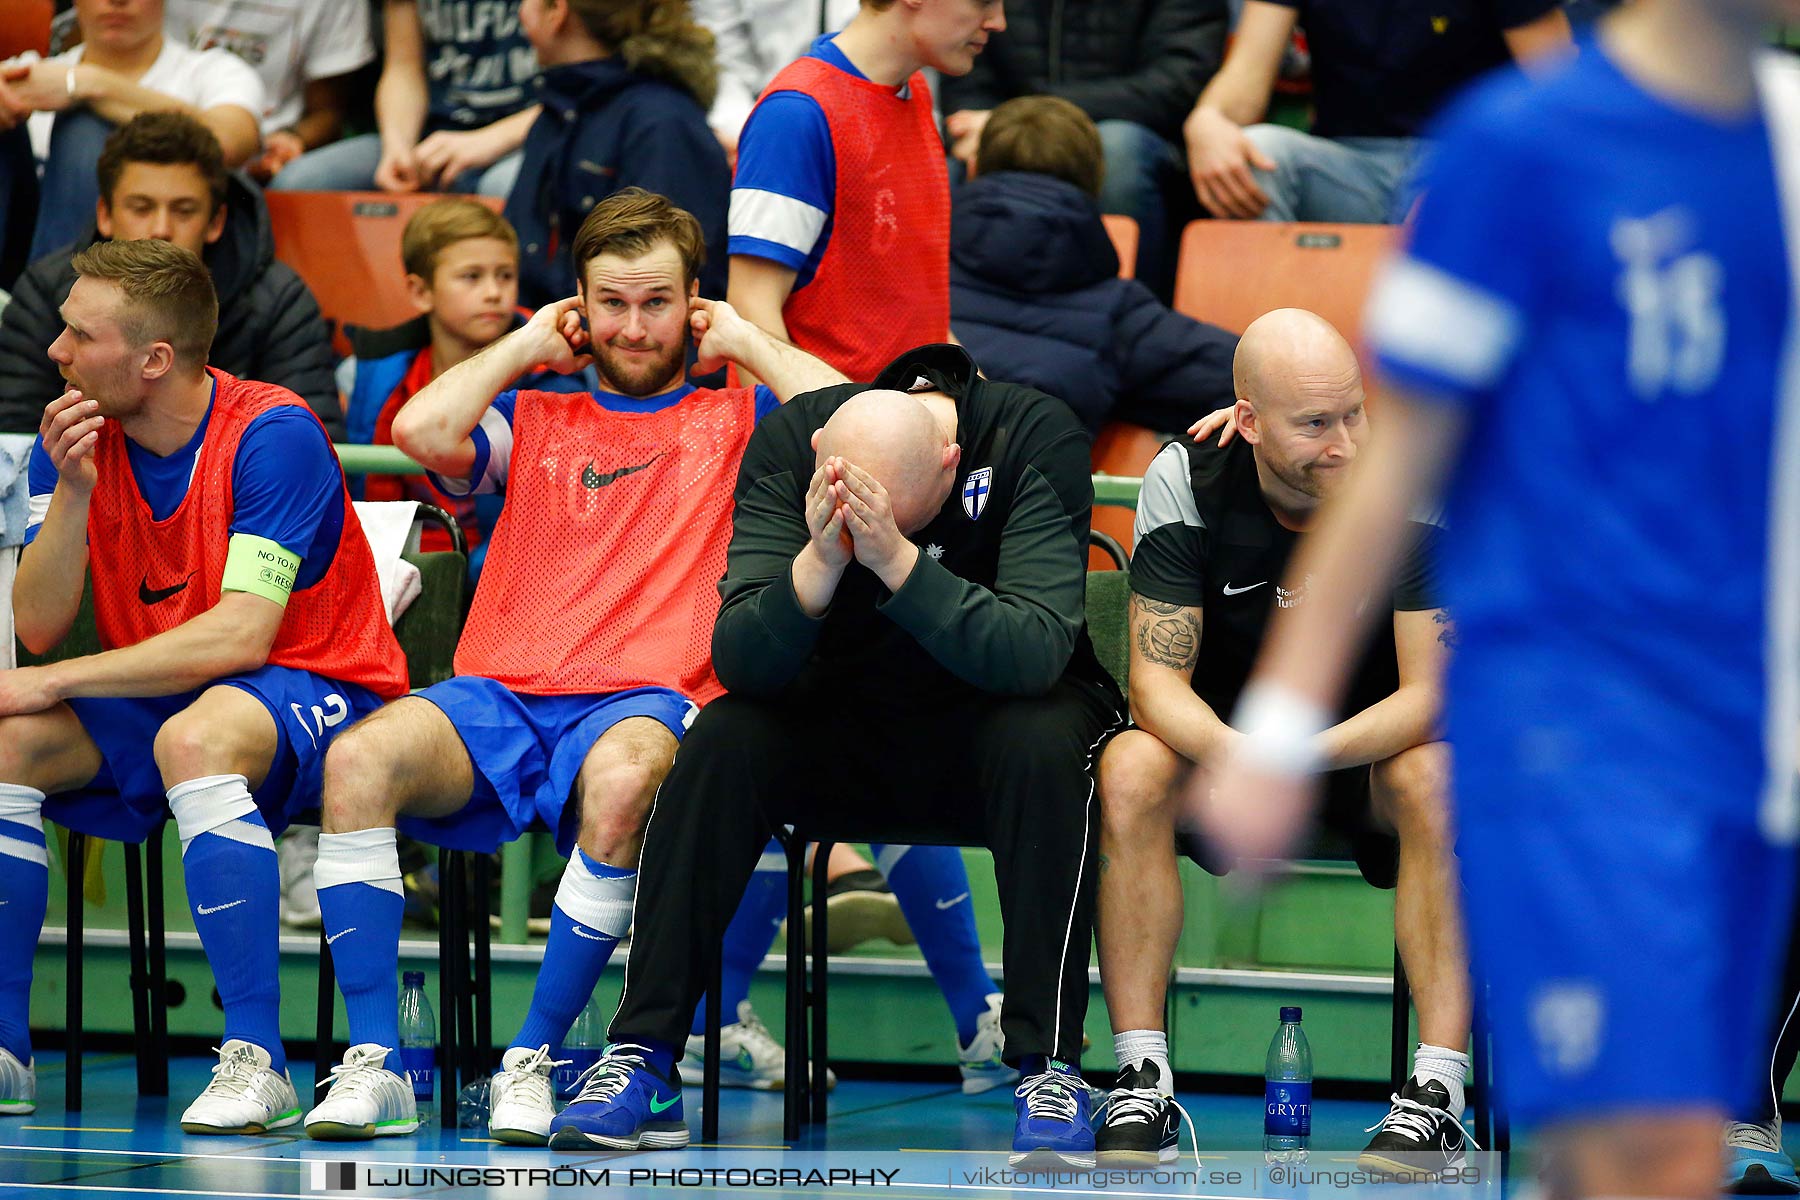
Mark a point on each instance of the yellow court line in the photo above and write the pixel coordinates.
(480, 1141)
(74, 1129)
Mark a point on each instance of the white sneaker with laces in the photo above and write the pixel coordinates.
(245, 1095)
(366, 1100)
(523, 1101)
(18, 1086)
(749, 1055)
(980, 1061)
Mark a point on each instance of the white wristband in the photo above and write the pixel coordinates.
(1281, 729)
(69, 83)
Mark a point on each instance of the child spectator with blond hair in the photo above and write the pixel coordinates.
(462, 274)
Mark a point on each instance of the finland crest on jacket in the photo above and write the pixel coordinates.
(975, 491)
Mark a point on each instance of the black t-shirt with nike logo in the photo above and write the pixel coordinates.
(1205, 539)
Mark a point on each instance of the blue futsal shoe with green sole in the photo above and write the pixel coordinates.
(624, 1104)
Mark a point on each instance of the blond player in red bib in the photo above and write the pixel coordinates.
(236, 600)
(587, 649)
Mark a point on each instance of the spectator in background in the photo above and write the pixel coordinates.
(840, 209)
(305, 52)
(624, 93)
(452, 105)
(1136, 68)
(1380, 72)
(1034, 287)
(462, 273)
(123, 67)
(162, 175)
(753, 39)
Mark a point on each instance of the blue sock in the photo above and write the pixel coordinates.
(1037, 1064)
(593, 911)
(363, 904)
(234, 888)
(932, 886)
(748, 938)
(659, 1055)
(24, 894)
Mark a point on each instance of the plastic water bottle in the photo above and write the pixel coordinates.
(418, 1041)
(583, 1047)
(1287, 1092)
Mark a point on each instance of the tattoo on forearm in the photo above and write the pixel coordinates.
(1447, 634)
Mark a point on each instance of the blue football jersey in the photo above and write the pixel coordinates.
(1601, 282)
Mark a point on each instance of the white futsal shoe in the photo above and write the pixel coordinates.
(521, 1098)
(366, 1100)
(749, 1055)
(980, 1062)
(245, 1096)
(18, 1086)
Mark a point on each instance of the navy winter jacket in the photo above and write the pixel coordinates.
(1035, 296)
(605, 126)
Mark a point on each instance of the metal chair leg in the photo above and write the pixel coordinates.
(77, 865)
(451, 976)
(1402, 1025)
(140, 973)
(793, 1089)
(482, 978)
(816, 993)
(158, 1084)
(709, 1073)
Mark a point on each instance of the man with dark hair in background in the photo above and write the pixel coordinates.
(163, 176)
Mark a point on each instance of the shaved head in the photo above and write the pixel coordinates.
(1290, 354)
(1300, 404)
(894, 437)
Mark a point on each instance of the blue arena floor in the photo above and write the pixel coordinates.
(902, 1140)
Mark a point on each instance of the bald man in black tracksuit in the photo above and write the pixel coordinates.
(967, 698)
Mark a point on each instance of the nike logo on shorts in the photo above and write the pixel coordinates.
(952, 902)
(207, 912)
(1231, 591)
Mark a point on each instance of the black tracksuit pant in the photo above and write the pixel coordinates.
(1012, 774)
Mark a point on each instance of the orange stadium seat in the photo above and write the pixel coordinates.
(346, 246)
(25, 25)
(1124, 234)
(1120, 449)
(1231, 272)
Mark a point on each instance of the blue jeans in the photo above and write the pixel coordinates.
(349, 166)
(68, 188)
(1144, 172)
(1354, 181)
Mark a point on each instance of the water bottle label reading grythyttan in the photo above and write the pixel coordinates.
(420, 1069)
(1287, 1108)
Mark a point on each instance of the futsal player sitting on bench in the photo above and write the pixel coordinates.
(587, 650)
(236, 598)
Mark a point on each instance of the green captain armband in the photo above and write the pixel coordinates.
(261, 567)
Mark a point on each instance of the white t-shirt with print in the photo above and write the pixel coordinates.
(290, 43)
(202, 78)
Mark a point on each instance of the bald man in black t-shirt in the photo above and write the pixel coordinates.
(1215, 529)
